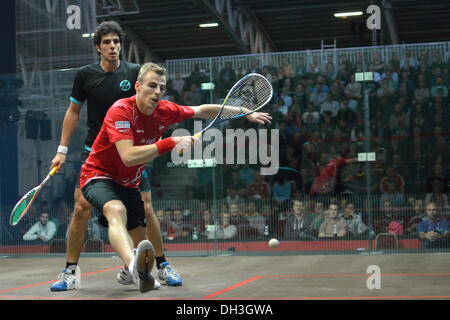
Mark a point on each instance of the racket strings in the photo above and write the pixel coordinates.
(249, 95)
(22, 206)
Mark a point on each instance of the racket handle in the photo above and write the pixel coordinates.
(52, 172)
(197, 135)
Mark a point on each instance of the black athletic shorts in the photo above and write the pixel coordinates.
(146, 180)
(100, 191)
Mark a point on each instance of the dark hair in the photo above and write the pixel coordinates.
(107, 27)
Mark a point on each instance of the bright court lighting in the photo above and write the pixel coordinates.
(208, 25)
(347, 14)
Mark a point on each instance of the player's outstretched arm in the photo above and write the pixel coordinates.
(136, 155)
(69, 126)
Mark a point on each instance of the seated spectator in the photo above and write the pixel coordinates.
(435, 232)
(193, 95)
(346, 113)
(229, 230)
(178, 83)
(181, 227)
(281, 189)
(417, 215)
(298, 223)
(333, 226)
(255, 219)
(239, 219)
(286, 97)
(42, 231)
(163, 223)
(378, 64)
(354, 221)
(386, 215)
(396, 178)
(319, 214)
(353, 89)
(439, 85)
(318, 95)
(391, 194)
(300, 68)
(422, 91)
(259, 189)
(330, 105)
(385, 91)
(437, 195)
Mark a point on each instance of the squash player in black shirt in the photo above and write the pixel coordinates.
(101, 84)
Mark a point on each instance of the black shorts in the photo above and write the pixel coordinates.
(100, 191)
(146, 180)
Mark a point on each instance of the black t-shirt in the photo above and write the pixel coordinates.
(101, 89)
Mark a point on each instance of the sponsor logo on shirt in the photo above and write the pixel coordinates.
(161, 127)
(125, 85)
(122, 124)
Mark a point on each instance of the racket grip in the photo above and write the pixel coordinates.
(52, 172)
(197, 135)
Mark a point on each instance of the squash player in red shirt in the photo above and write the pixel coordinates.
(129, 138)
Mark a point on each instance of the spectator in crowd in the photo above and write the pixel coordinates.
(178, 83)
(181, 227)
(356, 226)
(300, 95)
(318, 94)
(353, 91)
(396, 178)
(387, 214)
(434, 232)
(259, 189)
(42, 231)
(391, 193)
(239, 219)
(195, 77)
(298, 223)
(333, 226)
(300, 68)
(422, 91)
(417, 215)
(229, 230)
(193, 95)
(439, 85)
(385, 91)
(417, 173)
(226, 79)
(437, 195)
(330, 105)
(437, 173)
(281, 189)
(319, 214)
(255, 219)
(163, 223)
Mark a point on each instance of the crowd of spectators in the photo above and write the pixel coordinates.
(318, 108)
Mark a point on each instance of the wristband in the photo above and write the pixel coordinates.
(165, 145)
(62, 149)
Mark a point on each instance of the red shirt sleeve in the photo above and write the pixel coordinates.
(118, 124)
(173, 113)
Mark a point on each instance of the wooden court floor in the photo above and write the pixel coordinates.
(302, 277)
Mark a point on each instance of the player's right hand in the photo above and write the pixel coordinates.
(185, 142)
(58, 161)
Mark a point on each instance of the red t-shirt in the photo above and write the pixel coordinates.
(325, 183)
(124, 121)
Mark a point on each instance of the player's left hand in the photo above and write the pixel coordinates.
(259, 117)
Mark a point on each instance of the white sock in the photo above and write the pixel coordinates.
(131, 265)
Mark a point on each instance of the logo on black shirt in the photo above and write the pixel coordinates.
(125, 85)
